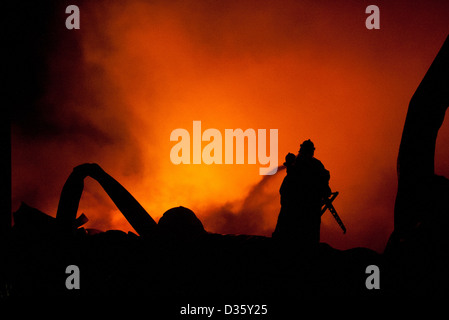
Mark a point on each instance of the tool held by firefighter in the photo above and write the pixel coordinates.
(327, 204)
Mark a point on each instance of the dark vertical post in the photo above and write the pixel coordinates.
(5, 195)
(5, 176)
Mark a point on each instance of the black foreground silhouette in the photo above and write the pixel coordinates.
(177, 258)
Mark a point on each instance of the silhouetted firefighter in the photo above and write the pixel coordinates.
(303, 192)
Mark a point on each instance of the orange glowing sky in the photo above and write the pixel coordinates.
(307, 68)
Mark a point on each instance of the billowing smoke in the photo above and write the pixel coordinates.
(255, 214)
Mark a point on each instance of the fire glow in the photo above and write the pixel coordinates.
(116, 89)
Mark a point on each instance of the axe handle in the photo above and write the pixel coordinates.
(328, 205)
(329, 201)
